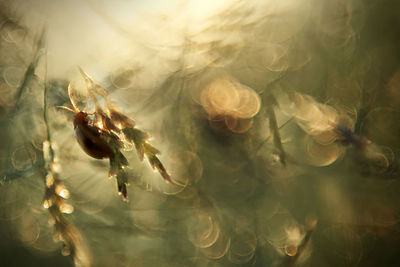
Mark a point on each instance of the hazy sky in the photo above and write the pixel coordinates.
(101, 35)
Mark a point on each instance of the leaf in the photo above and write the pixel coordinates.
(156, 164)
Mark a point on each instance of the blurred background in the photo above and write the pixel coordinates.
(279, 120)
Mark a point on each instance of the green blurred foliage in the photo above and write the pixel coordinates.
(278, 121)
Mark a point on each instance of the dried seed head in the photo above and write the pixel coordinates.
(47, 203)
(119, 118)
(66, 208)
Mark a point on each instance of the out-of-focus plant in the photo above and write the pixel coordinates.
(268, 111)
(56, 195)
(55, 201)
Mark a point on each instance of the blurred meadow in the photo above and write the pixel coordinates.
(239, 133)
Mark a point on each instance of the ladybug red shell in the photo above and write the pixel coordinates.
(91, 138)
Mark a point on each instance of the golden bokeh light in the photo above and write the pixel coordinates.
(256, 119)
(230, 104)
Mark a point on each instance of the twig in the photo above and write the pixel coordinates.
(30, 71)
(269, 136)
(25, 82)
(273, 125)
